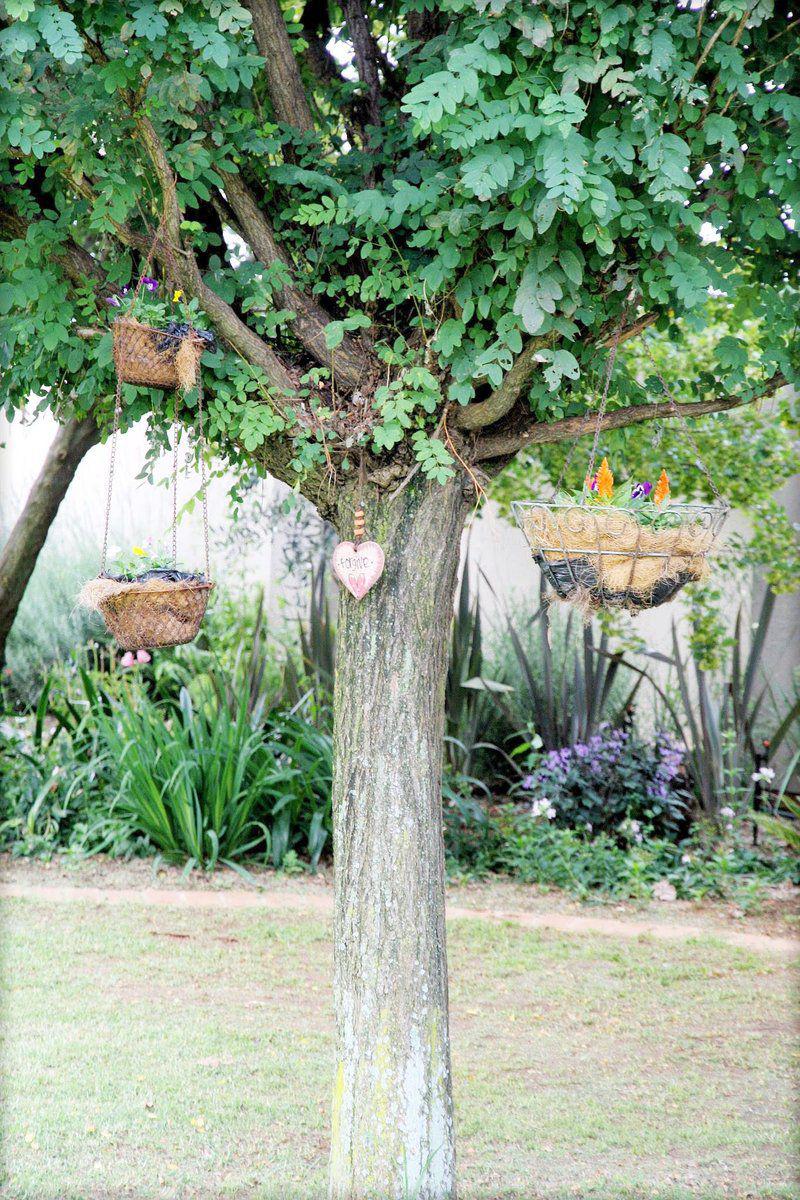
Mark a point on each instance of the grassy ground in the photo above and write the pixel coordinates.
(187, 1053)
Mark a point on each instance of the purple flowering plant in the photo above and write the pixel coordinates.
(614, 782)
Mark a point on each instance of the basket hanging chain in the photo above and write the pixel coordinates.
(203, 478)
(160, 235)
(676, 408)
(601, 411)
(111, 465)
(175, 438)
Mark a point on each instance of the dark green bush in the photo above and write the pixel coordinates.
(615, 783)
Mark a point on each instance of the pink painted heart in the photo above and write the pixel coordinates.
(358, 567)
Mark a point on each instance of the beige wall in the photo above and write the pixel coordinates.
(139, 509)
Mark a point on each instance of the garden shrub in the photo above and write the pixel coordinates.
(615, 783)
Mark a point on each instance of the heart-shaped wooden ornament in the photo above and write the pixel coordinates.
(358, 567)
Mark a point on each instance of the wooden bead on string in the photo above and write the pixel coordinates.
(359, 525)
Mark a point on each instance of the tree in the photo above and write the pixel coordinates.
(18, 557)
(415, 228)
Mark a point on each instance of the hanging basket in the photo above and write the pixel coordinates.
(597, 557)
(146, 613)
(154, 357)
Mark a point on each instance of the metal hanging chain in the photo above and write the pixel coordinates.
(600, 412)
(676, 408)
(203, 479)
(175, 439)
(111, 465)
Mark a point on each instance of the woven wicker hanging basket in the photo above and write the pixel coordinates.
(598, 557)
(144, 614)
(156, 358)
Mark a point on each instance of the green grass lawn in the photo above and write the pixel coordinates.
(171, 1053)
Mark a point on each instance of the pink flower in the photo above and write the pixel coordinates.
(127, 659)
(143, 657)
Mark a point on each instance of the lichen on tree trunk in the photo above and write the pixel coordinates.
(392, 1120)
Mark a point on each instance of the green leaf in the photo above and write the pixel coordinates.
(149, 23)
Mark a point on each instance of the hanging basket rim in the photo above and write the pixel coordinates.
(127, 319)
(134, 587)
(611, 509)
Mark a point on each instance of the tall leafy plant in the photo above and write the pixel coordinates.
(190, 779)
(725, 716)
(568, 681)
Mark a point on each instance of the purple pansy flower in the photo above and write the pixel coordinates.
(150, 283)
(641, 490)
(113, 301)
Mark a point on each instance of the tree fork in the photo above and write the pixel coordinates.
(392, 1123)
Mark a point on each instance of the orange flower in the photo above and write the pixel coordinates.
(605, 481)
(662, 489)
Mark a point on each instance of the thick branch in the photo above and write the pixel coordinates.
(504, 397)
(351, 361)
(18, 559)
(365, 55)
(285, 85)
(183, 265)
(505, 445)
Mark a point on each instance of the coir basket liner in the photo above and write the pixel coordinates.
(153, 357)
(597, 557)
(148, 613)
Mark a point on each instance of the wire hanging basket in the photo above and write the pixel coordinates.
(162, 606)
(628, 547)
(604, 557)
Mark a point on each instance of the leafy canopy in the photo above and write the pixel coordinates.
(442, 192)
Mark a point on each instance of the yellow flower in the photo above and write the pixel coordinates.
(605, 481)
(137, 550)
(662, 489)
(178, 295)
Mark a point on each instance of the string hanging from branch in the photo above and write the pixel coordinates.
(625, 546)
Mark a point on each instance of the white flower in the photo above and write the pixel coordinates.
(763, 775)
(589, 826)
(635, 826)
(727, 811)
(686, 859)
(551, 813)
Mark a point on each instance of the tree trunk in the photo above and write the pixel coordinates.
(19, 555)
(392, 1121)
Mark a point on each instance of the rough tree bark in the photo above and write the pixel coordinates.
(392, 1126)
(18, 556)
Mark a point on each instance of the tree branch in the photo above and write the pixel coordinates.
(283, 77)
(505, 445)
(365, 55)
(515, 381)
(351, 362)
(183, 264)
